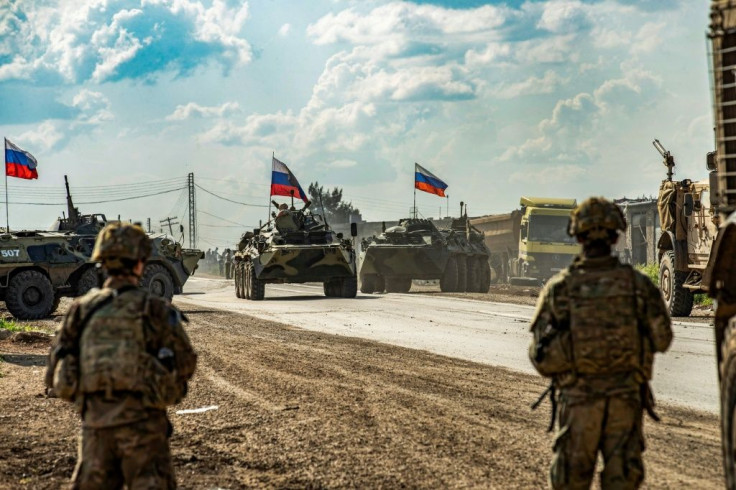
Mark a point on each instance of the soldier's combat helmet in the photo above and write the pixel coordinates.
(121, 245)
(596, 218)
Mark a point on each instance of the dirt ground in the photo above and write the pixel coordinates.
(300, 409)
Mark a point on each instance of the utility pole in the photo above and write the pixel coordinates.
(148, 224)
(170, 222)
(192, 211)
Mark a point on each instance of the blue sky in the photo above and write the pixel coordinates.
(500, 99)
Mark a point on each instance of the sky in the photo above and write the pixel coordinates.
(499, 99)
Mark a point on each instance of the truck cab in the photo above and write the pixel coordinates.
(545, 248)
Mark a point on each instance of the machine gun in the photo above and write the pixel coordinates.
(669, 159)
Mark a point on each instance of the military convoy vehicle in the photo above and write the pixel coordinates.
(689, 228)
(529, 245)
(720, 274)
(416, 249)
(296, 246)
(38, 268)
(166, 271)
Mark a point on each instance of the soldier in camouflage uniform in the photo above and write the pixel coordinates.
(122, 356)
(596, 328)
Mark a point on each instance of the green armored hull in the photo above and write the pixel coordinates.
(405, 261)
(416, 249)
(303, 263)
(295, 247)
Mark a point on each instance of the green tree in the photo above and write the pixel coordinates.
(335, 209)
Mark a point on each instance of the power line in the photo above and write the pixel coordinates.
(230, 200)
(95, 202)
(221, 226)
(223, 219)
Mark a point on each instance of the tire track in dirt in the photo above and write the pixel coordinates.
(303, 409)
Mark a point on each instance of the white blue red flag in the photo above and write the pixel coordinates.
(426, 181)
(283, 182)
(19, 163)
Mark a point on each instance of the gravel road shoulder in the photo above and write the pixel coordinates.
(300, 409)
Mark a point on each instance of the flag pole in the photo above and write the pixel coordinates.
(415, 190)
(268, 216)
(7, 211)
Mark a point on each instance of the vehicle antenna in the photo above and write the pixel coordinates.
(324, 215)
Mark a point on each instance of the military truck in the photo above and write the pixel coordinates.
(37, 269)
(529, 245)
(689, 228)
(416, 249)
(166, 271)
(720, 275)
(296, 246)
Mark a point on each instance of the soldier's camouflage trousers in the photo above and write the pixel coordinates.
(136, 455)
(611, 425)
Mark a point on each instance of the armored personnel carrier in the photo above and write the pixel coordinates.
(37, 269)
(416, 249)
(296, 246)
(166, 271)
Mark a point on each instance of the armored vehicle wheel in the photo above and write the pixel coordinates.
(678, 299)
(257, 288)
(474, 272)
(30, 296)
(367, 283)
(380, 284)
(728, 405)
(236, 281)
(157, 280)
(349, 287)
(245, 281)
(57, 301)
(332, 288)
(87, 281)
(485, 276)
(462, 274)
(448, 281)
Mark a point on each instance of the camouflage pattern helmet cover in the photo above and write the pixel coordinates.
(595, 217)
(121, 241)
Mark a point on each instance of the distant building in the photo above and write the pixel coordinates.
(638, 245)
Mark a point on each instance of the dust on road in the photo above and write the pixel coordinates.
(302, 409)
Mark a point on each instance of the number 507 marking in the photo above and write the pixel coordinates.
(10, 253)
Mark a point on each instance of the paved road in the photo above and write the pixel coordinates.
(486, 332)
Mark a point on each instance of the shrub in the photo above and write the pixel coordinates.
(651, 271)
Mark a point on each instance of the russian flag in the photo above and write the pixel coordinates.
(426, 181)
(19, 163)
(283, 182)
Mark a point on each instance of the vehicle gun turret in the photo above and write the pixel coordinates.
(669, 159)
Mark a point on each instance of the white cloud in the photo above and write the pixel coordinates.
(91, 40)
(531, 86)
(648, 38)
(94, 107)
(401, 20)
(562, 16)
(45, 136)
(570, 134)
(194, 110)
(284, 30)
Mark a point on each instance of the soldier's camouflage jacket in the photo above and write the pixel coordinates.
(120, 353)
(597, 326)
